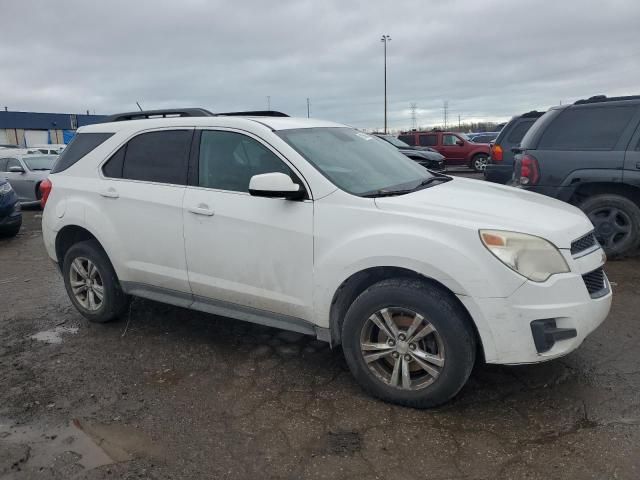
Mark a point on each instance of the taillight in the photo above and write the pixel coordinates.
(529, 171)
(496, 152)
(45, 190)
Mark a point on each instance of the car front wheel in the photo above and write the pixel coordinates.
(408, 342)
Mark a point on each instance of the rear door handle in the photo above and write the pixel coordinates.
(110, 193)
(202, 209)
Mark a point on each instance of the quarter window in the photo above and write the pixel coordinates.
(228, 160)
(428, 140)
(594, 128)
(518, 132)
(81, 145)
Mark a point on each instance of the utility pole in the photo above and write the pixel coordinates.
(385, 39)
(308, 108)
(268, 102)
(414, 119)
(459, 125)
(445, 112)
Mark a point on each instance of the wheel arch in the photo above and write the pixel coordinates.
(358, 282)
(68, 236)
(589, 189)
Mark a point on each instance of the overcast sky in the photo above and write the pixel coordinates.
(490, 59)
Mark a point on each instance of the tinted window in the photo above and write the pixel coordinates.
(408, 139)
(113, 167)
(228, 160)
(593, 128)
(428, 140)
(158, 157)
(82, 144)
(515, 136)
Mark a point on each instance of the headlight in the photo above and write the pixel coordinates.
(530, 256)
(5, 188)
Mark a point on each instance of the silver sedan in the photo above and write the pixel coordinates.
(25, 172)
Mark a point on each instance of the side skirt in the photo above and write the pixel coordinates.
(226, 309)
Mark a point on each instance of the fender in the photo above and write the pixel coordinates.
(577, 178)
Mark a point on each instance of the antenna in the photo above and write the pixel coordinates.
(139, 106)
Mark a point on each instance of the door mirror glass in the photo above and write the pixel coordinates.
(16, 169)
(275, 185)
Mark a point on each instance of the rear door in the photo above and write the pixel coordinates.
(141, 194)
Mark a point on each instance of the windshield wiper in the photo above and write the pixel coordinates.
(386, 193)
(430, 180)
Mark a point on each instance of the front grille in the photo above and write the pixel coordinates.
(595, 282)
(583, 243)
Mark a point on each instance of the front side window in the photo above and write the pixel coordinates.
(592, 128)
(228, 160)
(428, 140)
(3, 164)
(449, 140)
(354, 161)
(13, 162)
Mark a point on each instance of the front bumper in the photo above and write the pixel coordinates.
(563, 298)
(10, 216)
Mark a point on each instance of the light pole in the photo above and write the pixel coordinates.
(385, 39)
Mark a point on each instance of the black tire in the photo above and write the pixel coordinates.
(610, 215)
(115, 302)
(445, 315)
(10, 231)
(479, 162)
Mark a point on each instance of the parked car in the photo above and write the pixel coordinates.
(455, 147)
(50, 149)
(8, 145)
(315, 227)
(426, 157)
(500, 166)
(10, 215)
(24, 172)
(483, 137)
(588, 154)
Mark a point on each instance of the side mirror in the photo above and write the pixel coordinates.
(275, 185)
(460, 143)
(16, 169)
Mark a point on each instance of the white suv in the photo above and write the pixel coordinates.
(316, 227)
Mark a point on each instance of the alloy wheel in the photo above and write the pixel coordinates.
(402, 349)
(612, 226)
(86, 283)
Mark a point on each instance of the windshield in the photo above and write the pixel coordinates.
(354, 161)
(395, 142)
(40, 162)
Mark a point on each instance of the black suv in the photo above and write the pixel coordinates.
(500, 166)
(425, 156)
(588, 154)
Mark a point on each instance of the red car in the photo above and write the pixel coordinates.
(456, 149)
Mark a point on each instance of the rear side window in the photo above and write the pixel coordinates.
(516, 135)
(82, 144)
(428, 140)
(160, 157)
(594, 128)
(408, 139)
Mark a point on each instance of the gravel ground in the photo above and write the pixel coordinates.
(169, 393)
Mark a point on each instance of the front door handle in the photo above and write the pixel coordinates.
(202, 209)
(110, 193)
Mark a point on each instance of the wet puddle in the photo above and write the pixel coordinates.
(54, 335)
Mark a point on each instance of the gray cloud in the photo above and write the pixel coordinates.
(489, 59)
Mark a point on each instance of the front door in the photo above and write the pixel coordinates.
(451, 149)
(241, 249)
(24, 188)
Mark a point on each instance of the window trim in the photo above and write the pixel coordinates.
(137, 133)
(194, 163)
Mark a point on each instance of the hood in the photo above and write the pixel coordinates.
(477, 204)
(426, 154)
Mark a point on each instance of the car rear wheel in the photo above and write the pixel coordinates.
(92, 284)
(479, 162)
(407, 342)
(616, 220)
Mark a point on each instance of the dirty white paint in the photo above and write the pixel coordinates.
(54, 335)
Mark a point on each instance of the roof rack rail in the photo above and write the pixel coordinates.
(170, 112)
(253, 113)
(188, 112)
(532, 114)
(604, 98)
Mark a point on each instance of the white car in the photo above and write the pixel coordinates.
(318, 228)
(51, 149)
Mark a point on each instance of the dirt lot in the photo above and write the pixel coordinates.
(170, 393)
